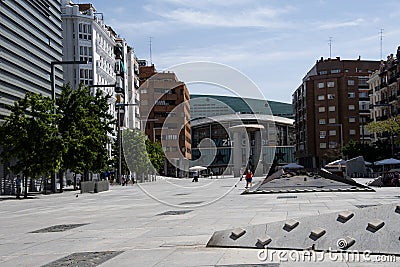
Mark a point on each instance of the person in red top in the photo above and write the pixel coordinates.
(249, 178)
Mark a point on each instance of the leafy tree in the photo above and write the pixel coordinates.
(30, 137)
(353, 149)
(156, 154)
(370, 152)
(85, 127)
(137, 159)
(391, 126)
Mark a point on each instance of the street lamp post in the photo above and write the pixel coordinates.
(53, 97)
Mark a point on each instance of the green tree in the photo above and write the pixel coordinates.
(390, 126)
(156, 154)
(137, 159)
(371, 152)
(30, 137)
(353, 149)
(85, 127)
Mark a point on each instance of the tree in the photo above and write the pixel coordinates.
(137, 158)
(30, 137)
(370, 152)
(353, 149)
(85, 127)
(156, 154)
(390, 126)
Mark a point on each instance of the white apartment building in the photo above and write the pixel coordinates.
(133, 96)
(127, 70)
(87, 37)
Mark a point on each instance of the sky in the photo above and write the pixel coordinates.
(272, 42)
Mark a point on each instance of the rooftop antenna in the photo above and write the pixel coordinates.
(151, 56)
(381, 33)
(330, 47)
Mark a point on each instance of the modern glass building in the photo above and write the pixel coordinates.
(230, 133)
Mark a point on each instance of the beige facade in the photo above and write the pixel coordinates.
(165, 114)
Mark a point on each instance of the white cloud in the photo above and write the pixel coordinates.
(264, 17)
(342, 24)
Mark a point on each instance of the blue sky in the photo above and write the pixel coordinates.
(273, 42)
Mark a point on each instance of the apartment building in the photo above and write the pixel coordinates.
(385, 89)
(331, 107)
(165, 111)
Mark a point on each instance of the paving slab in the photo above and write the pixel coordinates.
(126, 219)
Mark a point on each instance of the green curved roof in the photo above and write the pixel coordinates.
(258, 105)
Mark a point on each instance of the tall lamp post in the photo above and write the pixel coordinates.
(119, 105)
(53, 97)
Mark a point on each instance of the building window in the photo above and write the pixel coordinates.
(322, 121)
(321, 109)
(323, 72)
(143, 91)
(321, 97)
(331, 96)
(335, 71)
(352, 132)
(85, 31)
(86, 76)
(332, 132)
(364, 106)
(332, 144)
(321, 85)
(322, 134)
(322, 145)
(352, 119)
(350, 82)
(332, 120)
(352, 107)
(351, 95)
(85, 53)
(331, 84)
(332, 108)
(363, 81)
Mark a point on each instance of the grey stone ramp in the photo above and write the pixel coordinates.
(376, 229)
(322, 182)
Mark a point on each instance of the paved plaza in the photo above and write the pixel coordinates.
(164, 223)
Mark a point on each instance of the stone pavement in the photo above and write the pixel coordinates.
(164, 223)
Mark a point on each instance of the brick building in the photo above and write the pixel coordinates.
(331, 107)
(165, 113)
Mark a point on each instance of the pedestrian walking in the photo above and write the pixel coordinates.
(18, 186)
(249, 179)
(195, 176)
